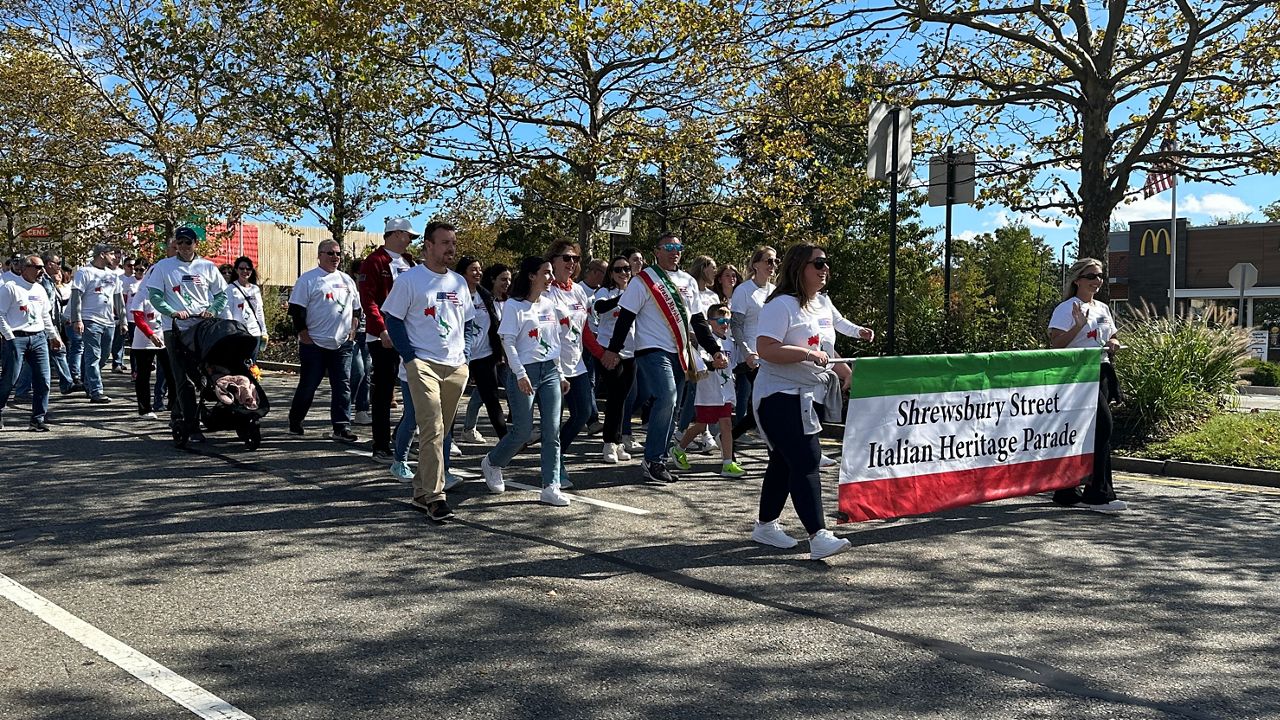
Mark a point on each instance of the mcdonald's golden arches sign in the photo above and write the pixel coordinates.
(1155, 237)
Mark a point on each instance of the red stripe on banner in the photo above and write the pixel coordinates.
(920, 494)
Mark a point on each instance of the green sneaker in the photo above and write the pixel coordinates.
(681, 457)
(731, 469)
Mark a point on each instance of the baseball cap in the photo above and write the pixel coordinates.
(399, 223)
(187, 234)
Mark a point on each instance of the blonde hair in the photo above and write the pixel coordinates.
(1073, 273)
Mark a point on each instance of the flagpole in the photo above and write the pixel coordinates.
(1173, 247)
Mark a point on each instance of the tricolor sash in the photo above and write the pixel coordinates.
(667, 298)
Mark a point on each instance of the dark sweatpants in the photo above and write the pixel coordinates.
(1099, 489)
(794, 460)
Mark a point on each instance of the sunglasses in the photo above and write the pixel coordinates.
(722, 321)
(1091, 276)
(184, 242)
(772, 261)
(569, 258)
(622, 269)
(244, 269)
(673, 247)
(331, 253)
(821, 264)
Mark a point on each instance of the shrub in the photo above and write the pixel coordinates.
(1175, 371)
(1266, 374)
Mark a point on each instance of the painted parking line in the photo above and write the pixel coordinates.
(1221, 487)
(160, 678)
(582, 498)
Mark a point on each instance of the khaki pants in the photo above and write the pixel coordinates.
(436, 390)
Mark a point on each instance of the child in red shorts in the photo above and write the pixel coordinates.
(713, 402)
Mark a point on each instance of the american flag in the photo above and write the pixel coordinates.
(1161, 176)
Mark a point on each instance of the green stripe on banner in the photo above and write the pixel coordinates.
(926, 374)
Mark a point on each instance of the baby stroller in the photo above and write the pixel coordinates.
(228, 395)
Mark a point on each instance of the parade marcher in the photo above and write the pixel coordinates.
(487, 371)
(146, 348)
(703, 269)
(789, 384)
(713, 401)
(26, 324)
(123, 268)
(727, 280)
(1080, 321)
(96, 310)
(430, 319)
(130, 282)
(185, 288)
(377, 273)
(619, 380)
(593, 278)
(593, 275)
(325, 307)
(244, 299)
(573, 307)
(530, 333)
(361, 365)
(662, 304)
(748, 299)
(58, 288)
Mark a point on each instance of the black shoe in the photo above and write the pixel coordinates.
(296, 430)
(1067, 497)
(383, 455)
(439, 510)
(38, 426)
(196, 437)
(342, 434)
(657, 471)
(100, 400)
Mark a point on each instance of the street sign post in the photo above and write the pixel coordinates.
(889, 156)
(1242, 277)
(950, 182)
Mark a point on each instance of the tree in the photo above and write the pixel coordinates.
(325, 105)
(1272, 212)
(1005, 284)
(1069, 100)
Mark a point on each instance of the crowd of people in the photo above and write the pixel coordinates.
(708, 359)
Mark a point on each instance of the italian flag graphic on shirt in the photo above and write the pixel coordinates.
(934, 432)
(543, 347)
(442, 326)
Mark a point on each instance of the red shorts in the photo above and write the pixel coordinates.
(711, 414)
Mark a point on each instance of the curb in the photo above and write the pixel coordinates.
(1257, 390)
(1198, 471)
(286, 367)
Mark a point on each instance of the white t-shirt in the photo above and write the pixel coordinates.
(189, 286)
(706, 299)
(399, 266)
(245, 304)
(652, 329)
(609, 320)
(572, 306)
(748, 299)
(717, 389)
(331, 299)
(534, 329)
(481, 347)
(129, 285)
(98, 288)
(782, 319)
(593, 321)
(141, 303)
(25, 306)
(435, 308)
(1097, 330)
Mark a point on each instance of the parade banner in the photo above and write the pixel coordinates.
(934, 432)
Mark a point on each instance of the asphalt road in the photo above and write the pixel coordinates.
(292, 583)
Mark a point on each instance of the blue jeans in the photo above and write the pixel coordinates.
(57, 364)
(97, 343)
(578, 400)
(405, 428)
(661, 373)
(360, 366)
(117, 348)
(686, 406)
(743, 386)
(75, 351)
(545, 378)
(33, 349)
(316, 363)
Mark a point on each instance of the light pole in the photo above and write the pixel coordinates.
(301, 242)
(1062, 264)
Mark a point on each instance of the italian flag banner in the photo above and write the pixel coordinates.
(934, 432)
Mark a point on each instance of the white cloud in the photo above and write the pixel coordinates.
(1004, 218)
(1196, 208)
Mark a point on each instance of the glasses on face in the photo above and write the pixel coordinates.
(821, 264)
(673, 247)
(569, 258)
(722, 321)
(1091, 276)
(184, 242)
(623, 269)
(244, 269)
(331, 253)
(773, 262)
(37, 267)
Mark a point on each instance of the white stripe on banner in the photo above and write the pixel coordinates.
(899, 436)
(168, 683)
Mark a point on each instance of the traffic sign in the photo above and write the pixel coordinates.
(1243, 276)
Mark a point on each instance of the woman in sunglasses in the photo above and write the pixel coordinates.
(791, 381)
(573, 305)
(1080, 321)
(748, 299)
(618, 381)
(245, 300)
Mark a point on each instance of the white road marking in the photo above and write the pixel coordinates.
(165, 681)
(590, 501)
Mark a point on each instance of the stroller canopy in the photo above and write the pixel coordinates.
(220, 341)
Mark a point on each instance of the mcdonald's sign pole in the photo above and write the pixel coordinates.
(1173, 247)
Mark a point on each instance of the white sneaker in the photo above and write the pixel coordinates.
(492, 476)
(451, 481)
(771, 533)
(454, 450)
(824, 544)
(472, 436)
(551, 495)
(827, 462)
(363, 418)
(630, 445)
(623, 455)
(610, 453)
(1115, 506)
(148, 416)
(708, 442)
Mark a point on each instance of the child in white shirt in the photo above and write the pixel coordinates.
(713, 400)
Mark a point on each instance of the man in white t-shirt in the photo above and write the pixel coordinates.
(186, 289)
(377, 274)
(325, 307)
(97, 314)
(663, 305)
(430, 318)
(26, 325)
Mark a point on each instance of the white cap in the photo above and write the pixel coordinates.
(399, 223)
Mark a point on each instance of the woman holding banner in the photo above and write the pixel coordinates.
(790, 382)
(1079, 321)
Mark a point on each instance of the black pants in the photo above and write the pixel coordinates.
(143, 361)
(182, 390)
(617, 385)
(1099, 489)
(485, 374)
(748, 421)
(793, 463)
(386, 361)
